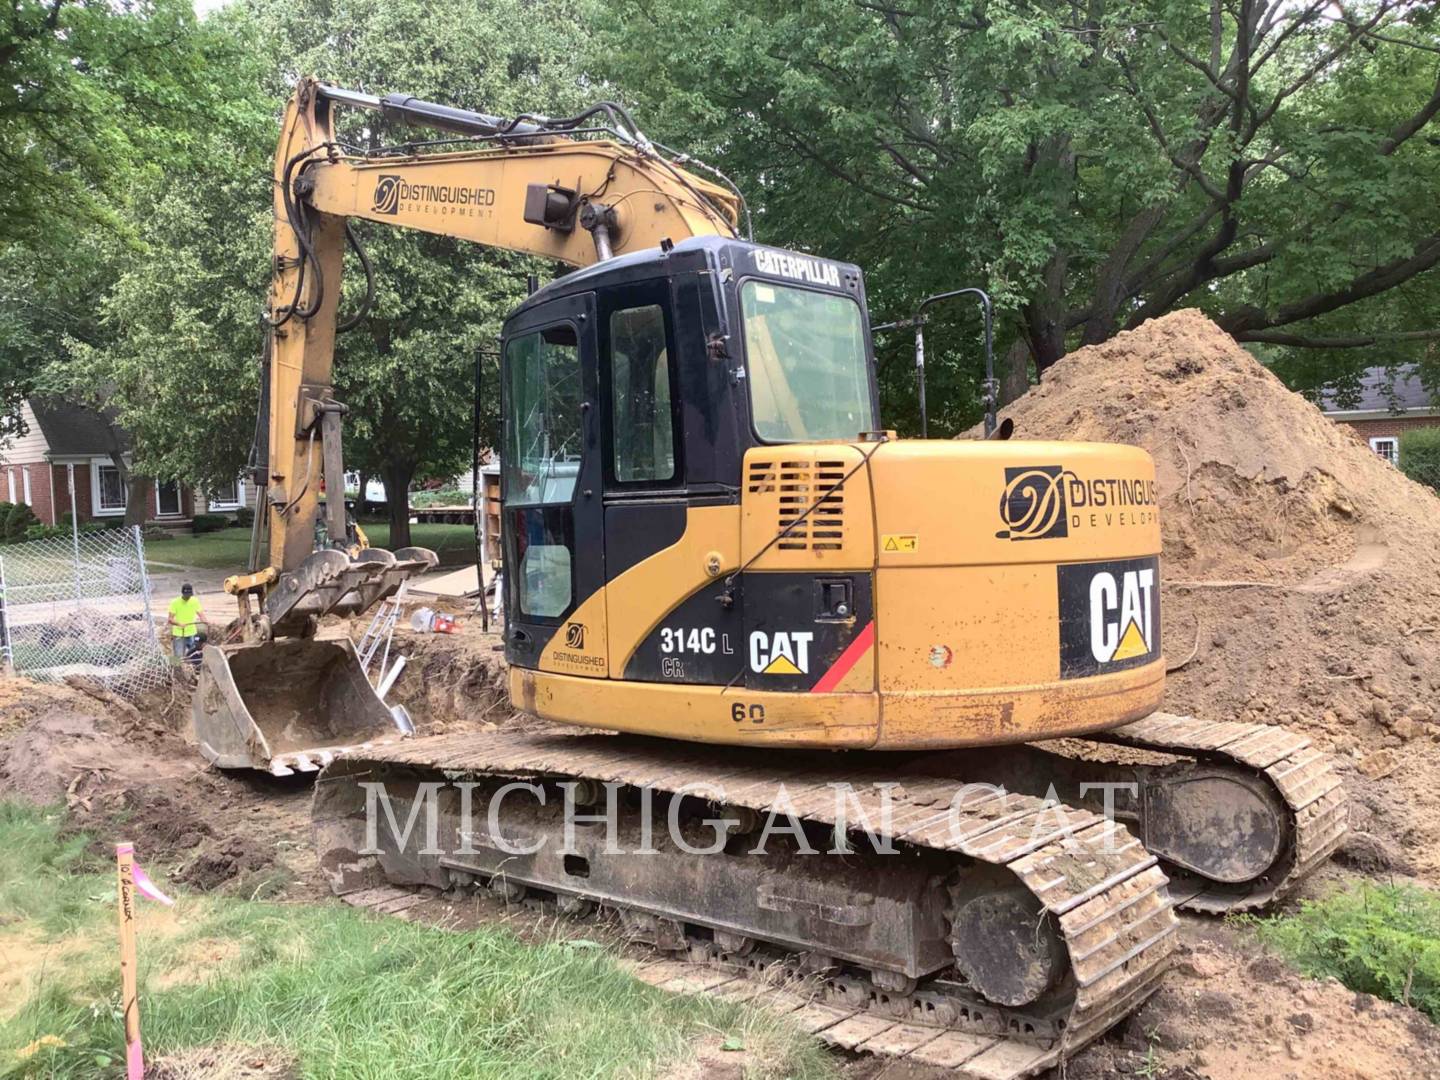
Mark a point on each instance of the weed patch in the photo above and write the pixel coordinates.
(1377, 939)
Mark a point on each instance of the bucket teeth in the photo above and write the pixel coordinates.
(280, 769)
(330, 582)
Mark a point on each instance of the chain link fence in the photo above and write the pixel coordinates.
(80, 605)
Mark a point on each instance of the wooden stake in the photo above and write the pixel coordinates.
(129, 994)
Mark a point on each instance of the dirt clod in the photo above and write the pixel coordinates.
(1379, 765)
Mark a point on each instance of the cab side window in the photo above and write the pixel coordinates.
(641, 396)
(542, 459)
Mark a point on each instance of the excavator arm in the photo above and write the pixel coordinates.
(576, 190)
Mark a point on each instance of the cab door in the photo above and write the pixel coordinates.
(553, 517)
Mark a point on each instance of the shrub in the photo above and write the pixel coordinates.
(203, 523)
(439, 497)
(1377, 939)
(18, 519)
(1420, 456)
(44, 532)
(245, 516)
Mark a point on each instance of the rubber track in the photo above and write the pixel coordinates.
(1108, 896)
(1298, 771)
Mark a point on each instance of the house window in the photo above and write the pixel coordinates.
(109, 490)
(25, 476)
(167, 498)
(10, 476)
(1388, 448)
(226, 496)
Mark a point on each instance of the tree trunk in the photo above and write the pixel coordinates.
(360, 495)
(137, 498)
(397, 476)
(1014, 373)
(136, 495)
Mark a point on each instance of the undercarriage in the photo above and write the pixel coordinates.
(941, 902)
(974, 903)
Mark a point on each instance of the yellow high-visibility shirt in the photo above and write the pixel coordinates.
(185, 612)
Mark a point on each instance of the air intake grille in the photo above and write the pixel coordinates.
(795, 486)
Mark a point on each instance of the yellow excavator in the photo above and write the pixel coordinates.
(716, 554)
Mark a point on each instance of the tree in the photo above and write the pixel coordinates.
(182, 320)
(94, 98)
(1091, 165)
(1420, 456)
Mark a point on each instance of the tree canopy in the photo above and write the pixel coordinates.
(94, 97)
(1091, 165)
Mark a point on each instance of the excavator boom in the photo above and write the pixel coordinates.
(510, 186)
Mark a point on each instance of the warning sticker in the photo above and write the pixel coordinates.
(1109, 616)
(901, 543)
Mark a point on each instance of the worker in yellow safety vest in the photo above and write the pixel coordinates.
(186, 618)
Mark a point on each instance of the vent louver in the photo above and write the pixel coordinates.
(795, 486)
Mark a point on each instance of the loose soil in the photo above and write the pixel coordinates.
(1301, 572)
(131, 776)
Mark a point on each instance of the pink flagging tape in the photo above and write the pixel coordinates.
(149, 888)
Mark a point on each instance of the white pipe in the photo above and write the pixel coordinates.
(388, 680)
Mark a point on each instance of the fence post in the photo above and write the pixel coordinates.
(74, 530)
(137, 534)
(7, 659)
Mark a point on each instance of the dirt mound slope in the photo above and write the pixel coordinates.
(1301, 572)
(1229, 1010)
(454, 682)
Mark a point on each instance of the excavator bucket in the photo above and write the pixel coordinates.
(292, 704)
(287, 706)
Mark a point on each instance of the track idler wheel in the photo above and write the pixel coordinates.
(1005, 944)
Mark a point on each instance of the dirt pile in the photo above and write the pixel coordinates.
(124, 775)
(453, 682)
(1228, 1010)
(1301, 572)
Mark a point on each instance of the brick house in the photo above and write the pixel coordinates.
(35, 470)
(1388, 404)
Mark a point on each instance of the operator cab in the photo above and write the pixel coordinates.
(631, 391)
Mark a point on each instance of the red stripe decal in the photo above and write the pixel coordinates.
(848, 659)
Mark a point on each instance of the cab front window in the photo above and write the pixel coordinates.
(805, 354)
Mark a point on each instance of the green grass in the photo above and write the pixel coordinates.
(343, 993)
(228, 549)
(41, 872)
(1377, 939)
